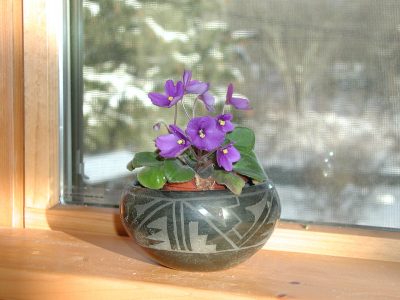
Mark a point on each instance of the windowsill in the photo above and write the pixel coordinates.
(287, 237)
(45, 264)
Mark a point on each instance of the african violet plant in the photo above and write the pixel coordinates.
(210, 150)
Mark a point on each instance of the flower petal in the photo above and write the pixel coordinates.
(179, 90)
(177, 131)
(228, 127)
(187, 76)
(159, 99)
(169, 88)
(229, 93)
(196, 87)
(208, 100)
(225, 117)
(214, 138)
(224, 122)
(233, 154)
(240, 103)
(169, 146)
(223, 161)
(204, 134)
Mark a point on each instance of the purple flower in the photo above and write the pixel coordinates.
(238, 103)
(204, 134)
(173, 93)
(193, 86)
(224, 122)
(208, 100)
(173, 144)
(200, 88)
(226, 156)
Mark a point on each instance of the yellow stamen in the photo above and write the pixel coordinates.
(201, 134)
(225, 151)
(180, 142)
(221, 122)
(170, 98)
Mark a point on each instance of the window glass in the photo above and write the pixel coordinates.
(323, 77)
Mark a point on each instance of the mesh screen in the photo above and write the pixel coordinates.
(323, 78)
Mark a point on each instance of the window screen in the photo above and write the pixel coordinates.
(323, 77)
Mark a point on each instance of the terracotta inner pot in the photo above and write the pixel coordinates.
(197, 184)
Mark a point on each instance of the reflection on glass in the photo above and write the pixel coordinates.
(323, 77)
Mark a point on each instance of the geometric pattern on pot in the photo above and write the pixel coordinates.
(209, 222)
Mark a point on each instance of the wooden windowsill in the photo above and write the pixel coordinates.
(46, 264)
(288, 237)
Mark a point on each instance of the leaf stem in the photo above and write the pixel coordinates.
(182, 160)
(207, 155)
(194, 153)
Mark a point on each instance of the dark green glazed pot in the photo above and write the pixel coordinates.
(200, 231)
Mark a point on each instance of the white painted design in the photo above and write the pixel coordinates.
(199, 242)
(257, 209)
(141, 208)
(183, 225)
(161, 236)
(213, 226)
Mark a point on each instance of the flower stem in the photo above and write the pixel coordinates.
(165, 124)
(184, 109)
(194, 107)
(223, 109)
(176, 114)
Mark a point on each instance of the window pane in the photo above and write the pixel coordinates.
(323, 78)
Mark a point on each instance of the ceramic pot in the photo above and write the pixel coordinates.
(200, 230)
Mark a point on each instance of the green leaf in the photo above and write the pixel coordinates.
(144, 159)
(232, 181)
(249, 166)
(175, 171)
(152, 177)
(243, 138)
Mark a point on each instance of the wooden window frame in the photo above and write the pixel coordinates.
(11, 114)
(36, 181)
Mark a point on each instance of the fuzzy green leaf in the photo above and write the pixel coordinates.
(249, 166)
(144, 159)
(152, 177)
(232, 181)
(175, 171)
(243, 138)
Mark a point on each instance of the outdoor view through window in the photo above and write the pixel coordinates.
(323, 78)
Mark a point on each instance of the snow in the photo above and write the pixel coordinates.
(93, 7)
(121, 87)
(111, 166)
(167, 36)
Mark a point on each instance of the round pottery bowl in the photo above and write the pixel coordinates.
(201, 230)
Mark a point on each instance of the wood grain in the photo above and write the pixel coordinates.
(41, 264)
(323, 240)
(11, 114)
(41, 19)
